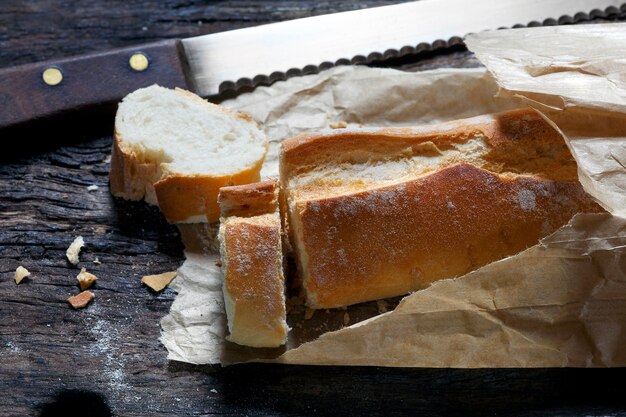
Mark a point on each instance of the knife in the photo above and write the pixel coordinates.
(213, 63)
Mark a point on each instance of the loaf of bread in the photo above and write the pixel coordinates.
(375, 213)
(176, 150)
(252, 264)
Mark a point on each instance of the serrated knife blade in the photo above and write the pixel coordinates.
(223, 59)
(212, 63)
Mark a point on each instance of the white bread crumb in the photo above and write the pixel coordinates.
(97, 261)
(338, 125)
(74, 250)
(20, 274)
(85, 279)
(92, 187)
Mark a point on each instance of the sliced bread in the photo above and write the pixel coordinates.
(252, 264)
(176, 150)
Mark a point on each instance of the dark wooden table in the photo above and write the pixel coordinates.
(106, 359)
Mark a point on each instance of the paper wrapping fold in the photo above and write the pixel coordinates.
(576, 76)
(562, 303)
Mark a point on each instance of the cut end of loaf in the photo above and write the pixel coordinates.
(249, 200)
(254, 284)
(252, 263)
(185, 145)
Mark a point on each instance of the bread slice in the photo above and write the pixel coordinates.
(252, 263)
(176, 150)
(375, 213)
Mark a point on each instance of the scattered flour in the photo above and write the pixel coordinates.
(12, 348)
(526, 199)
(113, 370)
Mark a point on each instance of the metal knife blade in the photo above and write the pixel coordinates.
(212, 63)
(246, 53)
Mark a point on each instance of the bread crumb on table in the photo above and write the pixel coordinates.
(85, 279)
(74, 250)
(20, 274)
(160, 281)
(92, 187)
(338, 125)
(97, 261)
(308, 313)
(81, 300)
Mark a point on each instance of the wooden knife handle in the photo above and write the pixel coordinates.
(55, 88)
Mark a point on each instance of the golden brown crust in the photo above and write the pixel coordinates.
(253, 280)
(81, 300)
(384, 241)
(158, 282)
(520, 141)
(249, 200)
(183, 196)
(85, 279)
(179, 197)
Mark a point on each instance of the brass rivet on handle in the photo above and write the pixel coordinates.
(139, 61)
(52, 76)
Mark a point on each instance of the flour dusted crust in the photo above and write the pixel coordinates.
(375, 213)
(138, 172)
(251, 256)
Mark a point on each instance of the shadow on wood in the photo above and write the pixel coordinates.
(44, 135)
(269, 389)
(76, 403)
(138, 219)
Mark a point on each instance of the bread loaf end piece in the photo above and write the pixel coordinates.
(176, 150)
(249, 200)
(252, 264)
(375, 213)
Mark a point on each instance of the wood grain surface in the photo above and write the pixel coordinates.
(106, 359)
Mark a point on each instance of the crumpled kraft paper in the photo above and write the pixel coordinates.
(560, 303)
(576, 76)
